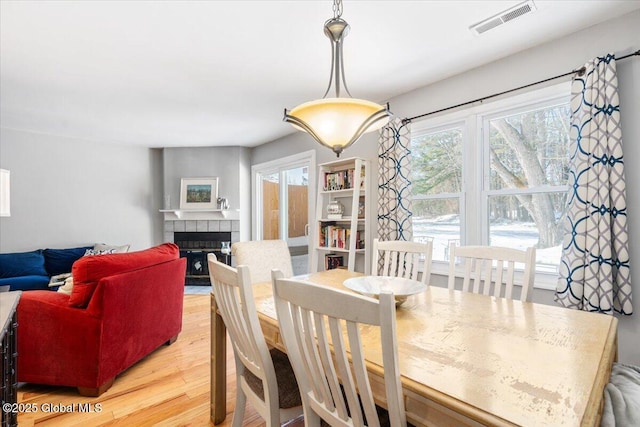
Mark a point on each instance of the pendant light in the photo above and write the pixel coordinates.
(337, 122)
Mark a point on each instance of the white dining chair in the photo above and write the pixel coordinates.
(261, 256)
(402, 259)
(491, 270)
(320, 329)
(264, 377)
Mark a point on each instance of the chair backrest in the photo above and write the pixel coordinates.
(401, 259)
(317, 323)
(487, 267)
(261, 256)
(234, 298)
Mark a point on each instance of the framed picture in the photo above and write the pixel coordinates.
(198, 193)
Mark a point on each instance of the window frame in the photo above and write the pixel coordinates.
(474, 204)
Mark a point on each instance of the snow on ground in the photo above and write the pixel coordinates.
(519, 235)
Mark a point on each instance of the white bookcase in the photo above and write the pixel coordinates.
(345, 238)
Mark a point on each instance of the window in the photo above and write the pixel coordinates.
(495, 175)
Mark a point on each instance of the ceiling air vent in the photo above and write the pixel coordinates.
(503, 17)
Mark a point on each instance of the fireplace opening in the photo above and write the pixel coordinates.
(195, 246)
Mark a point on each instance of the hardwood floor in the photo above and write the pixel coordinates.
(170, 387)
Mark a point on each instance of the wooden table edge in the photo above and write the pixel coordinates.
(595, 405)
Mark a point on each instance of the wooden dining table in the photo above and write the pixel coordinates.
(468, 359)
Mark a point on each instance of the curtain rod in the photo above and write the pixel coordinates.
(579, 71)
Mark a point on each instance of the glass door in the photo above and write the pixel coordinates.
(283, 191)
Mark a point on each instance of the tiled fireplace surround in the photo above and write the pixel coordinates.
(300, 263)
(231, 225)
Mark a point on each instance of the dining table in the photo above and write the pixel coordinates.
(469, 359)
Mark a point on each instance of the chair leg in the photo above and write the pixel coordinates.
(97, 391)
(241, 403)
(311, 419)
(273, 416)
(172, 340)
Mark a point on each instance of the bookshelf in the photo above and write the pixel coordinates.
(340, 239)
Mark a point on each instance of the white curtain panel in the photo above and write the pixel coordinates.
(594, 270)
(394, 182)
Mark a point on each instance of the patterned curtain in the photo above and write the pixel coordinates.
(594, 270)
(394, 183)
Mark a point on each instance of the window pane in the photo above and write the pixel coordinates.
(297, 201)
(437, 162)
(437, 169)
(512, 225)
(529, 149)
(437, 220)
(270, 206)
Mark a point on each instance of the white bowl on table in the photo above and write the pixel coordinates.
(372, 286)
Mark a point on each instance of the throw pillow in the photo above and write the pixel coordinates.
(116, 249)
(67, 288)
(90, 252)
(59, 261)
(22, 264)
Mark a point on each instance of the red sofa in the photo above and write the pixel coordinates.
(122, 307)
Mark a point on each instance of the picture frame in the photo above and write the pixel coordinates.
(198, 193)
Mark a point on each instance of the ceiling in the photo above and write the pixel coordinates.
(219, 73)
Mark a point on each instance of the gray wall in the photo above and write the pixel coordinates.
(229, 164)
(618, 35)
(66, 193)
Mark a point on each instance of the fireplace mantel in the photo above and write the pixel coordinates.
(200, 214)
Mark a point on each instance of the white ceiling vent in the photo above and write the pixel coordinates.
(503, 17)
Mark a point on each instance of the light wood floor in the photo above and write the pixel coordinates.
(170, 387)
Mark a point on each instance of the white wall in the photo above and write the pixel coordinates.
(67, 192)
(619, 36)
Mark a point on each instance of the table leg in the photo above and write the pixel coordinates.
(218, 365)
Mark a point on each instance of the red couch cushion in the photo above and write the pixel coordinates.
(88, 270)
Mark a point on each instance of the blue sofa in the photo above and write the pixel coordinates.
(27, 271)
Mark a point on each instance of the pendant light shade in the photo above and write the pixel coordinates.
(337, 122)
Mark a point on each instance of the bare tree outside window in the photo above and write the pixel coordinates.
(527, 177)
(523, 157)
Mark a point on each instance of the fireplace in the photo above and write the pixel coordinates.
(195, 246)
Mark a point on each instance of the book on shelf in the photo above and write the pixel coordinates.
(339, 237)
(332, 261)
(342, 180)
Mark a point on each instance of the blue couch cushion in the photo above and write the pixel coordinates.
(59, 261)
(22, 264)
(26, 283)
